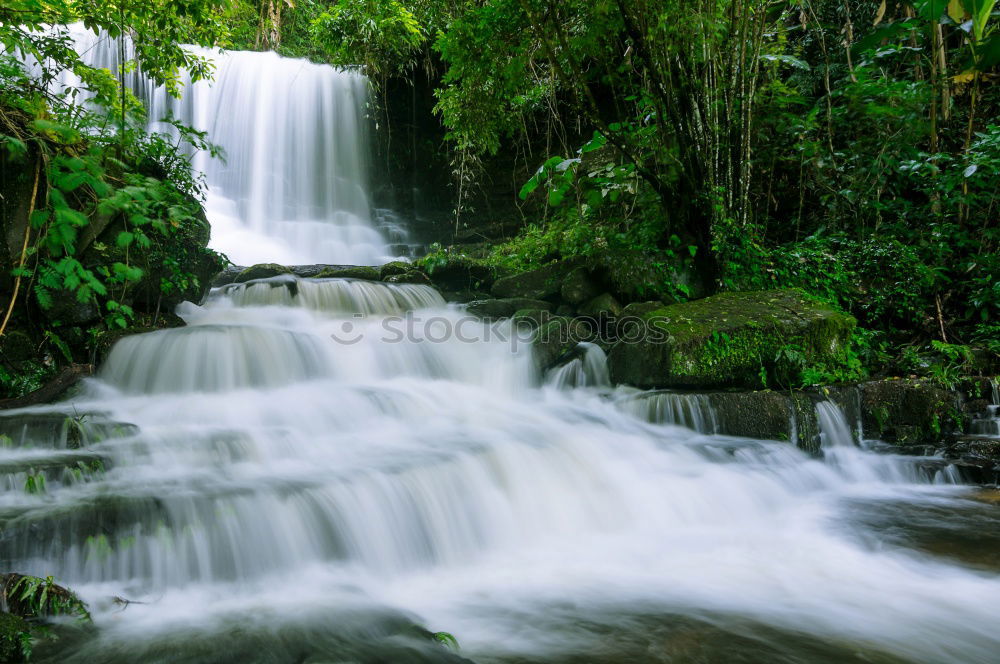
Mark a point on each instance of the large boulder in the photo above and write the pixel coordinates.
(458, 272)
(395, 267)
(603, 305)
(731, 340)
(579, 286)
(366, 272)
(261, 271)
(907, 411)
(174, 269)
(539, 284)
(555, 337)
(635, 276)
(505, 307)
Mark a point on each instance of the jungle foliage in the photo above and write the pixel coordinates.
(848, 148)
(101, 219)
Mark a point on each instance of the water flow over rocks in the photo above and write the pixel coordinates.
(279, 478)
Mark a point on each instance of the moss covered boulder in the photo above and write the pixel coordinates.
(732, 340)
(603, 305)
(394, 268)
(907, 411)
(411, 277)
(540, 284)
(554, 337)
(348, 272)
(458, 272)
(579, 286)
(261, 271)
(505, 307)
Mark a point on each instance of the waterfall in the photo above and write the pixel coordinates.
(687, 410)
(293, 187)
(834, 431)
(310, 467)
(588, 369)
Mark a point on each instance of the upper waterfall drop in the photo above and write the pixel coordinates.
(293, 185)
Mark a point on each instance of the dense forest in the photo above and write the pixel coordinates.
(845, 148)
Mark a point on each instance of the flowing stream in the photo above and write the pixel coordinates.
(312, 467)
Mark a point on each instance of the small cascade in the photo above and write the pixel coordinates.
(333, 296)
(588, 369)
(837, 445)
(215, 358)
(834, 431)
(987, 424)
(693, 411)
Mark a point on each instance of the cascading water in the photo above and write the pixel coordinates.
(311, 466)
(286, 472)
(687, 410)
(293, 187)
(588, 369)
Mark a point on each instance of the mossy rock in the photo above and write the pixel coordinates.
(411, 277)
(395, 268)
(14, 631)
(556, 337)
(365, 272)
(731, 340)
(261, 271)
(604, 305)
(464, 296)
(635, 276)
(641, 309)
(532, 317)
(505, 307)
(17, 347)
(909, 411)
(539, 284)
(763, 414)
(579, 286)
(459, 272)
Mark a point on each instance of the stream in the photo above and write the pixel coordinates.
(322, 470)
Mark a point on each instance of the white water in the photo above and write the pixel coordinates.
(436, 479)
(306, 454)
(293, 188)
(588, 369)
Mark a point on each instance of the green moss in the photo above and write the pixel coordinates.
(349, 272)
(739, 337)
(15, 638)
(261, 271)
(909, 411)
(394, 268)
(748, 339)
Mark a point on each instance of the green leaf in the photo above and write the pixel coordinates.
(38, 218)
(981, 11)
(596, 143)
(931, 10)
(788, 60)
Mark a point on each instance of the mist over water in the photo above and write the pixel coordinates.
(285, 481)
